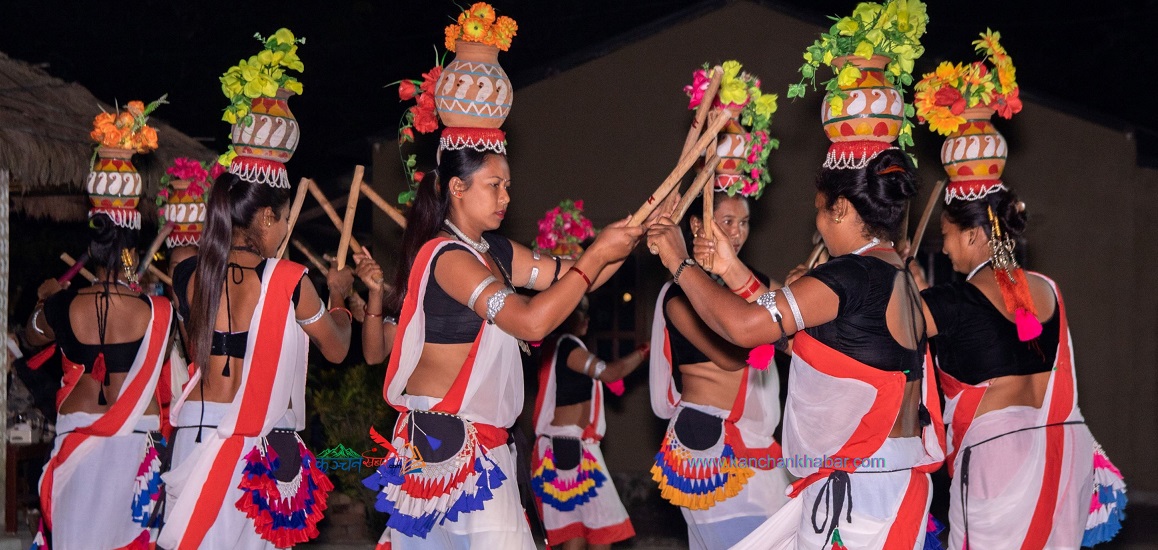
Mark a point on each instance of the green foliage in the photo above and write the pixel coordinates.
(348, 402)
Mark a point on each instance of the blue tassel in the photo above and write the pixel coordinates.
(931, 540)
(435, 443)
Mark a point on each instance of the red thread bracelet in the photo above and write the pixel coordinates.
(581, 274)
(343, 310)
(751, 289)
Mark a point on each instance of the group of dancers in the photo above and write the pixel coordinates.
(889, 379)
(861, 384)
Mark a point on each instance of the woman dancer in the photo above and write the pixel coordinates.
(573, 489)
(241, 477)
(455, 374)
(857, 421)
(101, 484)
(720, 410)
(1021, 455)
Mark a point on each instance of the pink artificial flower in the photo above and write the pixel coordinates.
(216, 170)
(578, 231)
(755, 173)
(700, 81)
(753, 157)
(579, 204)
(750, 188)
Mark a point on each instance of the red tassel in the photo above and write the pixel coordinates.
(98, 368)
(616, 387)
(1015, 294)
(837, 544)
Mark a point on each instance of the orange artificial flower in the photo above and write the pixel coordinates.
(482, 10)
(136, 108)
(474, 29)
(146, 139)
(452, 32)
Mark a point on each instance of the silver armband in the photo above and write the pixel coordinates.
(600, 366)
(36, 315)
(534, 277)
(314, 319)
(768, 301)
(795, 308)
(496, 302)
(478, 290)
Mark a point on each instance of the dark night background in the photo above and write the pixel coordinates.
(1090, 57)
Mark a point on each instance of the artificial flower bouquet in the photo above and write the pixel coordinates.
(563, 229)
(943, 95)
(128, 128)
(262, 75)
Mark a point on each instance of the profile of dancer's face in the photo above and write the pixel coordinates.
(484, 202)
(733, 215)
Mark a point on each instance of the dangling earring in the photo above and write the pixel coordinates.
(128, 265)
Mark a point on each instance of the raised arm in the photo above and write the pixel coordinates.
(462, 276)
(330, 331)
(588, 364)
(764, 315)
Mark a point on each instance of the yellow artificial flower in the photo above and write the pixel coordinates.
(828, 57)
(229, 117)
(766, 104)
(733, 91)
(864, 49)
(946, 125)
(731, 69)
(848, 76)
(835, 105)
(283, 36)
(876, 36)
(294, 86)
(866, 11)
(847, 26)
(227, 158)
(807, 56)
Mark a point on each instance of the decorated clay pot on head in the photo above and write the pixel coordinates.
(186, 212)
(974, 155)
(271, 132)
(731, 148)
(266, 142)
(473, 90)
(873, 109)
(114, 187)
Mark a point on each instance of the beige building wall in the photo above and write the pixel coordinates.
(609, 130)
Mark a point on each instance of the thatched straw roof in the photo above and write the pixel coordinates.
(45, 147)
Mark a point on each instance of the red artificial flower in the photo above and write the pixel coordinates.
(406, 90)
(946, 96)
(426, 102)
(407, 134)
(1007, 105)
(430, 78)
(418, 176)
(425, 120)
(217, 170)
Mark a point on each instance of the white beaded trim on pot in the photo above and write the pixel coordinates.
(480, 145)
(958, 194)
(273, 177)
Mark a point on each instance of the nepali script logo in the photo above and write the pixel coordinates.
(342, 457)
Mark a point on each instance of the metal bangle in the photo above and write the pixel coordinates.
(795, 308)
(314, 319)
(390, 319)
(599, 368)
(36, 315)
(768, 301)
(587, 365)
(496, 302)
(478, 290)
(534, 277)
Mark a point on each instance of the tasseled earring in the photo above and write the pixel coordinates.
(129, 266)
(1011, 280)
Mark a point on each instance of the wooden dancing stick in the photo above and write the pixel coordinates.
(313, 258)
(147, 259)
(348, 221)
(814, 257)
(331, 213)
(295, 211)
(915, 242)
(703, 108)
(64, 256)
(717, 120)
(160, 275)
(394, 213)
(696, 187)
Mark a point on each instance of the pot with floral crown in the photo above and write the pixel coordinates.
(113, 185)
(270, 131)
(872, 110)
(473, 89)
(975, 151)
(182, 199)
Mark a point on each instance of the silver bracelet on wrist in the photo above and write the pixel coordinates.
(314, 319)
(768, 301)
(478, 290)
(795, 308)
(496, 302)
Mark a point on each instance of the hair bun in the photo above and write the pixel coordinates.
(891, 172)
(104, 231)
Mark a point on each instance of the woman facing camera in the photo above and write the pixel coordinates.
(455, 372)
(241, 476)
(100, 486)
(857, 424)
(576, 496)
(719, 408)
(1021, 456)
